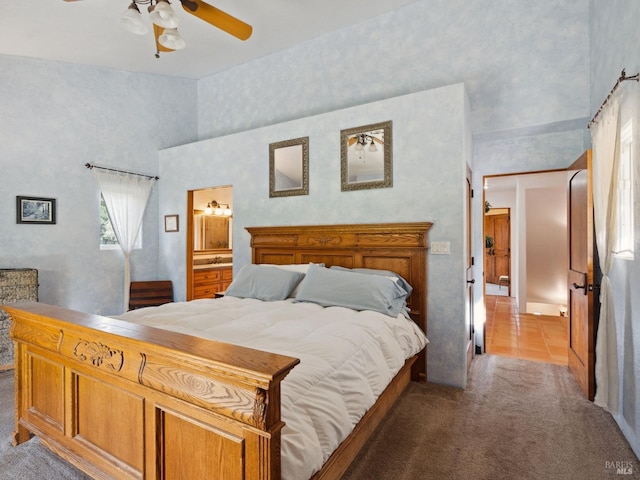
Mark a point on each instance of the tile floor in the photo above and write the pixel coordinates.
(541, 338)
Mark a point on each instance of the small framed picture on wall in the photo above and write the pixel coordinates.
(36, 210)
(171, 223)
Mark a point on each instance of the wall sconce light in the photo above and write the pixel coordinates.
(215, 208)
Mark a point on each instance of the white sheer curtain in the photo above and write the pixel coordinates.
(605, 137)
(125, 196)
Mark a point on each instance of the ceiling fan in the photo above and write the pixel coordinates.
(362, 139)
(165, 22)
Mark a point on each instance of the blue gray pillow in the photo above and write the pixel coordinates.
(264, 283)
(358, 291)
(385, 273)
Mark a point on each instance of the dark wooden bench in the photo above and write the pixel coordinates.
(150, 293)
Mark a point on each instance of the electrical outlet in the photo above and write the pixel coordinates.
(440, 248)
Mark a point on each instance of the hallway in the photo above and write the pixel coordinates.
(540, 338)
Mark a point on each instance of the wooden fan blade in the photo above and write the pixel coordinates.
(157, 31)
(377, 140)
(352, 140)
(218, 18)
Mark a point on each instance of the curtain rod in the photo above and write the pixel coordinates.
(623, 77)
(90, 166)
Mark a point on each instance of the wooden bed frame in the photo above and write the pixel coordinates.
(121, 400)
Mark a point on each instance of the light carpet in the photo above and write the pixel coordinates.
(517, 419)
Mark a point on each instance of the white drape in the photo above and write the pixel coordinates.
(126, 198)
(605, 137)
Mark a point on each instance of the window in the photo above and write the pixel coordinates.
(624, 247)
(108, 239)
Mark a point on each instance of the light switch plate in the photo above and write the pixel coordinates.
(440, 248)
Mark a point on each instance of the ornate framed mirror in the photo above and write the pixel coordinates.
(289, 167)
(366, 157)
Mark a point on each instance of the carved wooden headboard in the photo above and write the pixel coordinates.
(399, 247)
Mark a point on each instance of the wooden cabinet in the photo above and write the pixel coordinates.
(16, 285)
(207, 282)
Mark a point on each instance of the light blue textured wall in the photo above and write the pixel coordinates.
(615, 44)
(55, 118)
(429, 156)
(524, 63)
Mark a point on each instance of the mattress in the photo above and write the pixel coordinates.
(347, 358)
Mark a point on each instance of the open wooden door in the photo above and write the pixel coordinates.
(471, 344)
(497, 226)
(583, 303)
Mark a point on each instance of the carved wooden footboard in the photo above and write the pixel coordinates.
(121, 400)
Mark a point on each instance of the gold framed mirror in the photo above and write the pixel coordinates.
(289, 167)
(366, 157)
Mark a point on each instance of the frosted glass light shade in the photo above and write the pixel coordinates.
(170, 38)
(163, 15)
(132, 21)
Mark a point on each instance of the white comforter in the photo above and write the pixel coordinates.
(347, 358)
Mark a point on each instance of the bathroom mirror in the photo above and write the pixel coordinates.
(212, 227)
(289, 167)
(366, 157)
(211, 232)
